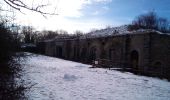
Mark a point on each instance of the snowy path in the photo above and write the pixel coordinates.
(57, 79)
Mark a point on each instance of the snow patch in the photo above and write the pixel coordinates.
(57, 79)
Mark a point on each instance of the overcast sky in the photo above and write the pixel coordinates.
(85, 15)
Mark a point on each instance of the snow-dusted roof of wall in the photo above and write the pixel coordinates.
(110, 31)
(115, 31)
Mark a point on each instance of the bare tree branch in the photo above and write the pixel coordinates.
(12, 5)
(18, 5)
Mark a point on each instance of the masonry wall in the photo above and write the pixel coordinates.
(160, 54)
(99, 48)
(140, 44)
(41, 47)
(116, 49)
(49, 48)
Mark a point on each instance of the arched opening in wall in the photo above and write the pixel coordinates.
(83, 54)
(59, 51)
(111, 53)
(68, 49)
(75, 52)
(134, 59)
(93, 53)
(115, 52)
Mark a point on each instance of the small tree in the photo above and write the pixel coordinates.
(7, 42)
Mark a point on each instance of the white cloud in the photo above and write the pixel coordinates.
(73, 8)
(65, 9)
(59, 22)
(101, 11)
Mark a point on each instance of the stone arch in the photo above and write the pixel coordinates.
(59, 51)
(113, 51)
(134, 59)
(93, 53)
(94, 50)
(75, 52)
(83, 53)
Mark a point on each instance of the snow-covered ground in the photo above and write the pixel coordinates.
(57, 79)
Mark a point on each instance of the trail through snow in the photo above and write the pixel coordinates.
(57, 79)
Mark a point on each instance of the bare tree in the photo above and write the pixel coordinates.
(8, 43)
(150, 21)
(78, 33)
(49, 34)
(147, 21)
